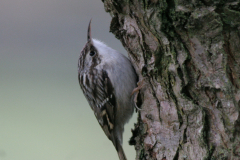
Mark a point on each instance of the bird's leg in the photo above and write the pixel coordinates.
(136, 90)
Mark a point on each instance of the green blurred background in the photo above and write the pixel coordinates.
(43, 113)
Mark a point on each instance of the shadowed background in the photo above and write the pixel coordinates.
(43, 113)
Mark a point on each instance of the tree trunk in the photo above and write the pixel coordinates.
(187, 56)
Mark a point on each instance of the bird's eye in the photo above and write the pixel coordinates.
(92, 53)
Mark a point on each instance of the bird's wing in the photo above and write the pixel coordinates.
(100, 95)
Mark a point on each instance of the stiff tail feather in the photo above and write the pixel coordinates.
(118, 147)
(120, 151)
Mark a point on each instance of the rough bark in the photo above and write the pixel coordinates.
(187, 56)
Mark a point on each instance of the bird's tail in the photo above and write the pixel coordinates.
(118, 146)
(120, 151)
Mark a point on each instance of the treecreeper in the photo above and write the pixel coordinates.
(107, 79)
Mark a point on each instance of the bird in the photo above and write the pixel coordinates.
(107, 79)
